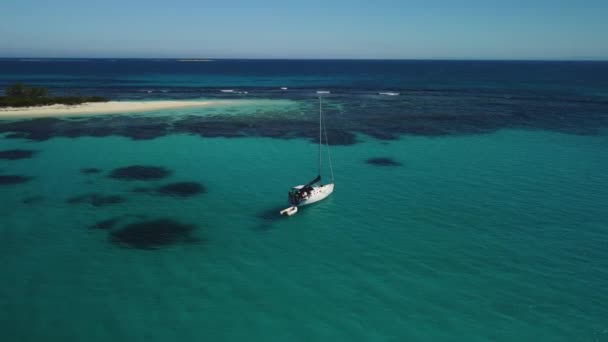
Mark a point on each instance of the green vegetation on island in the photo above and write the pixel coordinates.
(20, 95)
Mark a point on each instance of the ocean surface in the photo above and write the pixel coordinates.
(472, 206)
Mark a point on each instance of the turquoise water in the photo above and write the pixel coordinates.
(488, 224)
(492, 237)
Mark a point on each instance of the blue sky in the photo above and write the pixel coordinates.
(435, 29)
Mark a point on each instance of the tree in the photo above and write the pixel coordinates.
(37, 92)
(21, 90)
(16, 90)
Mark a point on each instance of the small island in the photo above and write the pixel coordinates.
(23, 101)
(21, 95)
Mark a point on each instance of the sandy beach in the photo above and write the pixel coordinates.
(111, 107)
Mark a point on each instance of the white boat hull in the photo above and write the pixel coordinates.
(318, 193)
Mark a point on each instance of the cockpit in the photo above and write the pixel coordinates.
(299, 193)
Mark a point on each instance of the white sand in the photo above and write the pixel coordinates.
(111, 107)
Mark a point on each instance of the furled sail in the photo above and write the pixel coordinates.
(316, 180)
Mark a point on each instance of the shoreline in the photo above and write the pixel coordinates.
(110, 107)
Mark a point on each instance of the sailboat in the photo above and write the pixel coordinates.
(313, 191)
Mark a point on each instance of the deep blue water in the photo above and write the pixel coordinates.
(470, 207)
(106, 76)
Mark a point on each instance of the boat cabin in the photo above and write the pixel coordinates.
(299, 193)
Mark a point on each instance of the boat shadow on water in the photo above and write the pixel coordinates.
(269, 217)
(272, 215)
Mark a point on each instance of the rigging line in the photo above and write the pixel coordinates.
(331, 169)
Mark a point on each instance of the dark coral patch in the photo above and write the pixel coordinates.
(261, 127)
(13, 179)
(33, 199)
(141, 190)
(16, 154)
(96, 200)
(182, 189)
(107, 224)
(153, 234)
(34, 129)
(383, 161)
(146, 131)
(46, 128)
(140, 172)
(90, 170)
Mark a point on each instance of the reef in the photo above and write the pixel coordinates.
(153, 234)
(383, 161)
(16, 154)
(13, 179)
(424, 112)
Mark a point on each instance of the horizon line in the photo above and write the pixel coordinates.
(210, 59)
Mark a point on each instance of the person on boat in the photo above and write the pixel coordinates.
(295, 198)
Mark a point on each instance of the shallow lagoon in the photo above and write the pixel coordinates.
(488, 237)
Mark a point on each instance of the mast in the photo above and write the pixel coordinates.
(320, 134)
